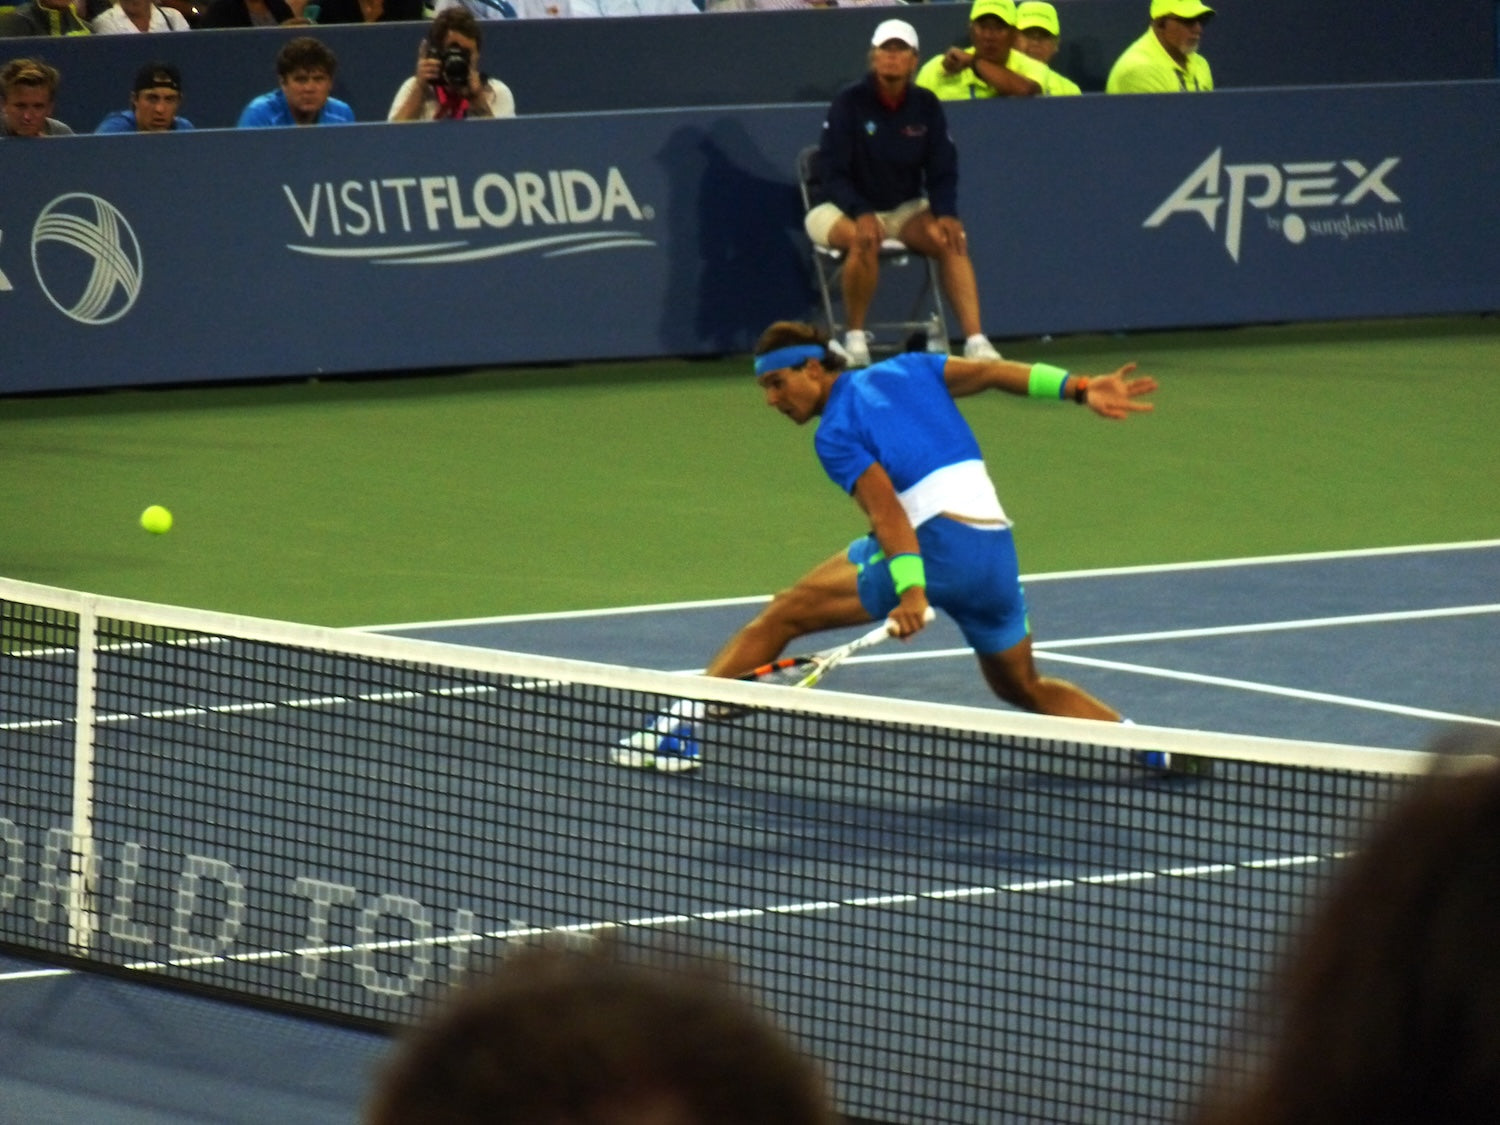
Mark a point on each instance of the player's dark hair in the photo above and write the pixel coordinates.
(1389, 1008)
(788, 333)
(585, 1035)
(305, 53)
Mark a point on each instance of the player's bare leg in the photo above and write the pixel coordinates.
(826, 597)
(1013, 676)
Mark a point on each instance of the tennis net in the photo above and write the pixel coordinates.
(968, 915)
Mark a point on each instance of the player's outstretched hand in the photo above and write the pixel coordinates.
(1117, 395)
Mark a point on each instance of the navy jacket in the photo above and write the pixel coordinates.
(873, 159)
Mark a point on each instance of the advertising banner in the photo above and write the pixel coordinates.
(222, 255)
(1237, 207)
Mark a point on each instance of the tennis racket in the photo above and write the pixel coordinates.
(805, 671)
(669, 741)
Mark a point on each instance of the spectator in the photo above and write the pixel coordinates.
(1165, 60)
(984, 72)
(248, 13)
(1388, 1009)
(126, 16)
(154, 101)
(29, 89)
(305, 68)
(42, 17)
(448, 83)
(484, 10)
(887, 168)
(558, 1035)
(1038, 35)
(370, 11)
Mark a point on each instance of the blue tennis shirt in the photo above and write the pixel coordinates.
(897, 412)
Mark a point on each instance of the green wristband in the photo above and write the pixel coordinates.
(907, 571)
(1046, 381)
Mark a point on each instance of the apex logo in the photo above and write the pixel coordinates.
(1298, 186)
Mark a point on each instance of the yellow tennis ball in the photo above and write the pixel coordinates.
(157, 520)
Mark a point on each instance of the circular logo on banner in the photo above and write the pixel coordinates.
(86, 258)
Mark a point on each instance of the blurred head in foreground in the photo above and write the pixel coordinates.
(584, 1036)
(1388, 1009)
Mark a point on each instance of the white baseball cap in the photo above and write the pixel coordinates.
(895, 29)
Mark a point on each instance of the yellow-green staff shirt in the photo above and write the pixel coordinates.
(966, 85)
(1052, 83)
(1146, 68)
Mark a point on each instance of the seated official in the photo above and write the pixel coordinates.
(448, 83)
(1166, 60)
(305, 69)
(887, 168)
(1038, 36)
(154, 101)
(990, 69)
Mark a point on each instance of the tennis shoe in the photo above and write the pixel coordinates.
(671, 751)
(977, 347)
(857, 347)
(1162, 761)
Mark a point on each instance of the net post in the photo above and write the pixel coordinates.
(84, 874)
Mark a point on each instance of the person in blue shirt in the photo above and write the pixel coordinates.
(305, 68)
(154, 101)
(892, 436)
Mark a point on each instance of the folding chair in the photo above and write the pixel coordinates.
(926, 316)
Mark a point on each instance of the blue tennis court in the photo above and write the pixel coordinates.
(1381, 648)
(1378, 648)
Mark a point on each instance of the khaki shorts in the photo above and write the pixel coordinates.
(821, 218)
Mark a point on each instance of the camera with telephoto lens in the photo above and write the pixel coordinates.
(453, 65)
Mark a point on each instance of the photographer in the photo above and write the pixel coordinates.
(448, 83)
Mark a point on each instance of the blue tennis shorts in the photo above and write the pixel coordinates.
(972, 575)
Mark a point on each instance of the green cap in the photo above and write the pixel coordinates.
(1038, 13)
(1182, 9)
(1004, 9)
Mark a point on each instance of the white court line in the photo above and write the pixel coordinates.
(1276, 626)
(34, 974)
(1047, 650)
(520, 930)
(1205, 631)
(1044, 649)
(1105, 572)
(1273, 689)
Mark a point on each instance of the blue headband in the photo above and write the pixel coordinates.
(794, 356)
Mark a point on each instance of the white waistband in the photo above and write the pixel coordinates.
(963, 489)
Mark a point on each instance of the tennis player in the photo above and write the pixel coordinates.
(892, 436)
